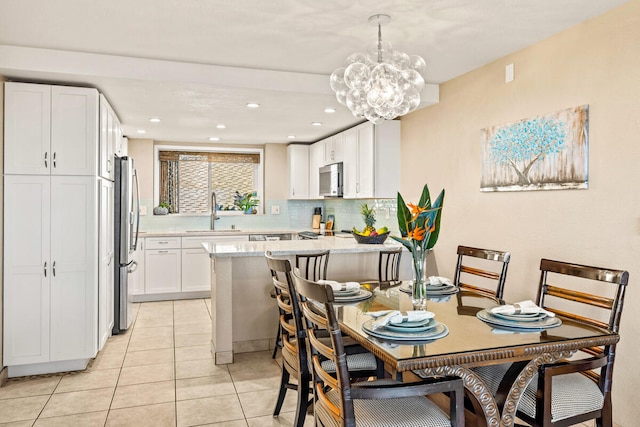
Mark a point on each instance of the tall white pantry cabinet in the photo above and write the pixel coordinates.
(53, 218)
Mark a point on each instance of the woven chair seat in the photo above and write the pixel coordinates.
(400, 412)
(572, 394)
(355, 362)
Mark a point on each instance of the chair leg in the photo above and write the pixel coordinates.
(284, 380)
(379, 369)
(303, 400)
(277, 344)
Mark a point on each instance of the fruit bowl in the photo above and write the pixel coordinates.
(371, 240)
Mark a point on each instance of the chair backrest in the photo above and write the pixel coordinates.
(294, 350)
(549, 296)
(313, 266)
(498, 259)
(389, 265)
(320, 318)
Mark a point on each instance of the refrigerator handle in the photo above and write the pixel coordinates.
(135, 177)
(133, 267)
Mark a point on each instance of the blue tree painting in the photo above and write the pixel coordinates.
(540, 153)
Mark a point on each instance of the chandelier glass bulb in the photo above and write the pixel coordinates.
(380, 84)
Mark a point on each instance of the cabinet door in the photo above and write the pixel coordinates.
(106, 268)
(118, 146)
(196, 274)
(366, 157)
(74, 259)
(350, 164)
(316, 153)
(27, 129)
(338, 147)
(27, 269)
(298, 162)
(136, 277)
(162, 271)
(74, 130)
(106, 140)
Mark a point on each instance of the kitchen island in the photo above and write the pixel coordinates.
(244, 316)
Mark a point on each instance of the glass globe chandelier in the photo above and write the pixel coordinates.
(382, 83)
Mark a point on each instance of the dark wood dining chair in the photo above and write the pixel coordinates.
(570, 392)
(338, 402)
(314, 267)
(389, 265)
(295, 365)
(497, 276)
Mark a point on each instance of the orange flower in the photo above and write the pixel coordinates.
(417, 234)
(415, 210)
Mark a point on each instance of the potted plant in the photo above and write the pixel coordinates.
(246, 202)
(162, 209)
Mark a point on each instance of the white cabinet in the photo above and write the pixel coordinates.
(50, 299)
(196, 263)
(136, 277)
(163, 267)
(333, 149)
(316, 160)
(50, 129)
(372, 160)
(106, 267)
(108, 124)
(298, 168)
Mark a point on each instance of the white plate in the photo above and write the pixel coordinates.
(362, 295)
(439, 331)
(538, 325)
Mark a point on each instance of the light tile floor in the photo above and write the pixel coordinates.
(159, 373)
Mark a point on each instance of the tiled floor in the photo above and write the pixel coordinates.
(160, 373)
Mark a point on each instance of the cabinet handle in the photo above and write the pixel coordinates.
(46, 163)
(54, 159)
(163, 243)
(108, 166)
(53, 268)
(163, 252)
(45, 269)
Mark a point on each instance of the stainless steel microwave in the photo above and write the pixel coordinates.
(331, 178)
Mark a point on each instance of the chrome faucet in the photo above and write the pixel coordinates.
(214, 210)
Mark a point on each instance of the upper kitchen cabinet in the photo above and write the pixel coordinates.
(333, 149)
(298, 168)
(108, 123)
(50, 129)
(372, 160)
(316, 161)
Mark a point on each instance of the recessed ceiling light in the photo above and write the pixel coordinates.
(154, 120)
(221, 126)
(316, 123)
(329, 110)
(214, 138)
(291, 137)
(142, 131)
(253, 105)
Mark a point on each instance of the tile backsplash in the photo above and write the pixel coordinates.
(294, 215)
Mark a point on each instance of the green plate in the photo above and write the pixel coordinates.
(412, 326)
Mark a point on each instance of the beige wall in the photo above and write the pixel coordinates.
(595, 63)
(141, 150)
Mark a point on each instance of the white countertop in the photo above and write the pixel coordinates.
(209, 233)
(290, 247)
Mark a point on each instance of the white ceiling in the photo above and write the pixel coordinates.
(196, 63)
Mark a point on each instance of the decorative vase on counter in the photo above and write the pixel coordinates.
(158, 210)
(419, 287)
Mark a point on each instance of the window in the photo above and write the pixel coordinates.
(187, 176)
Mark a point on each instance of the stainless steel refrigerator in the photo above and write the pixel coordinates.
(127, 224)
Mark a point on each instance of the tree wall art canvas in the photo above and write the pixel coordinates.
(548, 152)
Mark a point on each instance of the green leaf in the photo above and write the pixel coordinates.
(404, 215)
(425, 198)
(404, 242)
(433, 238)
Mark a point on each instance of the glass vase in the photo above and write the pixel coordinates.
(419, 288)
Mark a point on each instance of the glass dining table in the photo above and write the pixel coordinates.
(470, 342)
